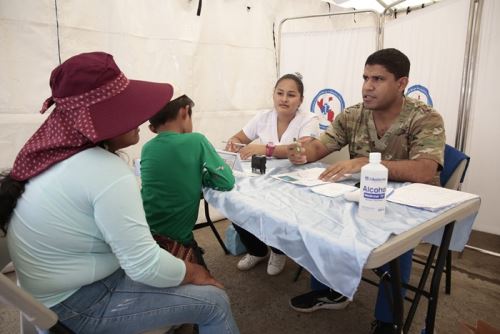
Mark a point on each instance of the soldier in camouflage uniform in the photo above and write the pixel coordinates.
(410, 137)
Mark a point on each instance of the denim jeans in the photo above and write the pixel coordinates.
(116, 304)
(383, 308)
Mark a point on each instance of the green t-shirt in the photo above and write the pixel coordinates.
(174, 167)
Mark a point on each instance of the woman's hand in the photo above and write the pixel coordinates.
(249, 150)
(296, 152)
(198, 275)
(233, 145)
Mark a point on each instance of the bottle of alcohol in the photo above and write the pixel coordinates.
(373, 186)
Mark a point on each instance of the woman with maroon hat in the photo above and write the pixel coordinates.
(77, 232)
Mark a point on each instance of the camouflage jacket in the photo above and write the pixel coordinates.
(418, 133)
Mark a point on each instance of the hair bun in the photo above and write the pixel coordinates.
(298, 75)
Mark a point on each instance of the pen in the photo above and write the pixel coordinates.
(235, 144)
(297, 147)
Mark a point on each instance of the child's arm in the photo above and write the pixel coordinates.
(216, 173)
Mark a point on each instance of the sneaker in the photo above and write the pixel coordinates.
(249, 261)
(379, 327)
(319, 299)
(276, 263)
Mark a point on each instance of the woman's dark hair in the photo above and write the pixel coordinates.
(10, 191)
(170, 111)
(295, 77)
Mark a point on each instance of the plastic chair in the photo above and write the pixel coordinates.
(210, 224)
(452, 176)
(34, 313)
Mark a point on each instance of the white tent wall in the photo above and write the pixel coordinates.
(482, 137)
(224, 59)
(329, 59)
(436, 51)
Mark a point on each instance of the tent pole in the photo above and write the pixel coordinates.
(469, 68)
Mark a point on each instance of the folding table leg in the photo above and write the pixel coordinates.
(436, 278)
(397, 297)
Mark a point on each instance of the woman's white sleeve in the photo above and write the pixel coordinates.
(120, 217)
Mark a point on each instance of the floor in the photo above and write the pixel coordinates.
(260, 302)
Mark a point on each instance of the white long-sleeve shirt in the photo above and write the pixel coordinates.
(80, 221)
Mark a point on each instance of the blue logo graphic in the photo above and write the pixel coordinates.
(418, 92)
(327, 104)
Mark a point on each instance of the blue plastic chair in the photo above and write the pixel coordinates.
(452, 176)
(454, 169)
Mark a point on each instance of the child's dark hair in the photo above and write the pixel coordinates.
(170, 111)
(395, 61)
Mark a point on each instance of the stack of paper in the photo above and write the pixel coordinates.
(428, 197)
(306, 177)
(333, 189)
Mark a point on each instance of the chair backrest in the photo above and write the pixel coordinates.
(454, 169)
(37, 314)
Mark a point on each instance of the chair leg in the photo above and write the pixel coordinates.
(214, 230)
(297, 274)
(447, 286)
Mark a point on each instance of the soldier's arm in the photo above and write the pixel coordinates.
(426, 155)
(420, 170)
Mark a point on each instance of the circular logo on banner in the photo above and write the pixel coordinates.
(327, 104)
(420, 93)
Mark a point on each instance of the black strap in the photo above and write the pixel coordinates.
(198, 12)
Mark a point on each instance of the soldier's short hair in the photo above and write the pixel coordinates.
(395, 61)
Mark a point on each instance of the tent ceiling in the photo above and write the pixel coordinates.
(378, 5)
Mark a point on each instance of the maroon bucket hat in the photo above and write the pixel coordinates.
(94, 102)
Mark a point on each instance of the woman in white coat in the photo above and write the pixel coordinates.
(269, 133)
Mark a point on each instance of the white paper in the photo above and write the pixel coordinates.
(428, 197)
(306, 177)
(333, 189)
(231, 159)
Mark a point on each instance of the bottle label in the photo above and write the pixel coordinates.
(373, 192)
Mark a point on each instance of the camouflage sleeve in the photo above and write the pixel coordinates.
(334, 137)
(427, 139)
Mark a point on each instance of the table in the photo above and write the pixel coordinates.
(325, 235)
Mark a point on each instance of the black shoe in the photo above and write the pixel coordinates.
(319, 299)
(379, 327)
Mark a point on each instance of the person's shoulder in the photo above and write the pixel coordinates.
(417, 106)
(306, 115)
(195, 138)
(356, 108)
(98, 161)
(265, 114)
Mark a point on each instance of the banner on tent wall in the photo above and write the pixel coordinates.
(327, 104)
(331, 64)
(420, 93)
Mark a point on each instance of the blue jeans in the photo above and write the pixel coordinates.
(383, 309)
(116, 304)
